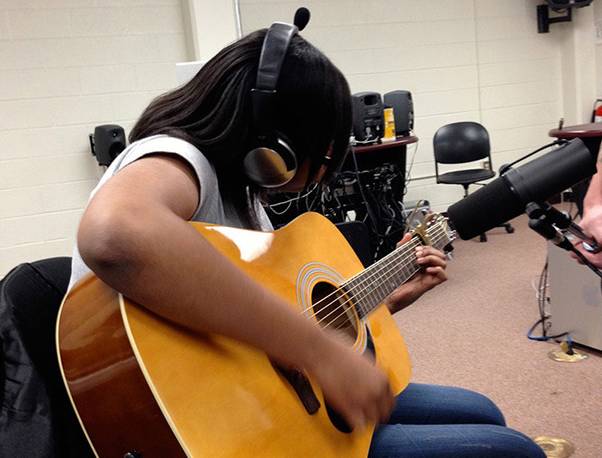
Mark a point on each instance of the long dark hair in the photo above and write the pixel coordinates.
(213, 111)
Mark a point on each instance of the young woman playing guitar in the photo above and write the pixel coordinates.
(270, 112)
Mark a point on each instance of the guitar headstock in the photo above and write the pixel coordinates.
(434, 230)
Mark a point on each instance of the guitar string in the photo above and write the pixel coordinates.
(388, 276)
(367, 285)
(394, 256)
(376, 268)
(415, 267)
(399, 257)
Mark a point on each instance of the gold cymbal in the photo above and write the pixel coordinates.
(560, 355)
(555, 447)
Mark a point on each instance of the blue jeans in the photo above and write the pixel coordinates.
(431, 421)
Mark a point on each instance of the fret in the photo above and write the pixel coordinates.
(353, 289)
(377, 282)
(399, 274)
(370, 301)
(381, 289)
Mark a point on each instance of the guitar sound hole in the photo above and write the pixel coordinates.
(334, 309)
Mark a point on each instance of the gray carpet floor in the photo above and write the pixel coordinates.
(471, 332)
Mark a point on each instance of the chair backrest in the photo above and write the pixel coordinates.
(37, 419)
(358, 236)
(461, 142)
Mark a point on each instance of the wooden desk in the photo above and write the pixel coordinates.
(591, 133)
(590, 130)
(371, 156)
(397, 143)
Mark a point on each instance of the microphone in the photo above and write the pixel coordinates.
(507, 196)
(301, 18)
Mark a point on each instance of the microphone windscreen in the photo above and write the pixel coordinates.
(302, 16)
(536, 181)
(483, 209)
(553, 172)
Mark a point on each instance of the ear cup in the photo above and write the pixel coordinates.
(271, 166)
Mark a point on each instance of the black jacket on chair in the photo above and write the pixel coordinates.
(36, 416)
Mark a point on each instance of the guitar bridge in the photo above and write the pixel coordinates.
(302, 387)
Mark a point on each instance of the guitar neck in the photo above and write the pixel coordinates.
(370, 287)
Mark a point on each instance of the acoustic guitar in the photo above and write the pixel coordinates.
(144, 387)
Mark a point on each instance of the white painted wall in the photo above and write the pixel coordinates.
(65, 67)
(212, 25)
(598, 43)
(463, 60)
(578, 50)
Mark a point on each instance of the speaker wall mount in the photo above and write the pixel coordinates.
(557, 6)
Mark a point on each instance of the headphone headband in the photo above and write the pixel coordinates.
(273, 51)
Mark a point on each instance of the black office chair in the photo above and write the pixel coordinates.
(464, 143)
(36, 417)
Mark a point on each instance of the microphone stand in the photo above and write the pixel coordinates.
(552, 224)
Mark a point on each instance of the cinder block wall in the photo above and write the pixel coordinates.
(65, 67)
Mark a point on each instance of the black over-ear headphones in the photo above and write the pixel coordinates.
(272, 161)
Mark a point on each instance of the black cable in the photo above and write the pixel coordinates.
(541, 302)
(371, 195)
(543, 338)
(504, 168)
(361, 189)
(409, 171)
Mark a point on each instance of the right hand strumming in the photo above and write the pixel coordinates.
(352, 384)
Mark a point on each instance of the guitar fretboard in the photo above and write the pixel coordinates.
(370, 287)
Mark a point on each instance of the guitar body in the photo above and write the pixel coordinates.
(141, 384)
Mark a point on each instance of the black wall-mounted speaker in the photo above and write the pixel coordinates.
(559, 5)
(403, 110)
(107, 142)
(368, 116)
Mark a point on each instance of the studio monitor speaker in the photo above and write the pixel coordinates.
(107, 142)
(368, 120)
(403, 110)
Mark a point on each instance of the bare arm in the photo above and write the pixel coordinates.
(592, 217)
(135, 237)
(593, 196)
